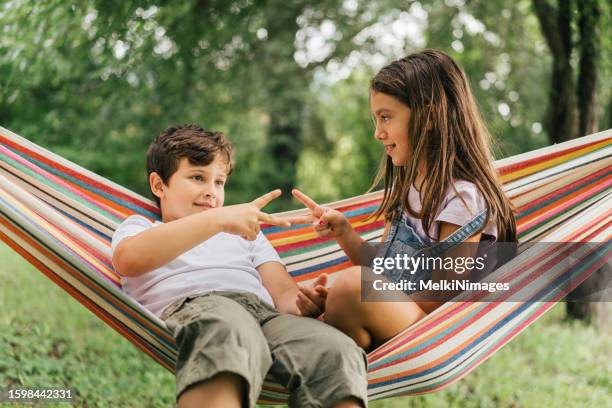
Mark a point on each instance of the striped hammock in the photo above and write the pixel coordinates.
(61, 217)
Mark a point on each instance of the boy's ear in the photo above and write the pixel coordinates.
(157, 184)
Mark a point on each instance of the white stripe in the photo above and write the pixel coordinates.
(581, 141)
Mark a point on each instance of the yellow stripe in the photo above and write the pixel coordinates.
(453, 318)
(60, 236)
(309, 235)
(553, 162)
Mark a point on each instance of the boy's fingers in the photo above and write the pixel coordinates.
(262, 201)
(307, 290)
(325, 233)
(273, 220)
(300, 219)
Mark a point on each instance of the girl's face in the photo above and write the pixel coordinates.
(391, 119)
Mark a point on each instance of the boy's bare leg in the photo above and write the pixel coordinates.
(222, 390)
(349, 403)
(226, 390)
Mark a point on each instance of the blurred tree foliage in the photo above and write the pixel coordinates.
(96, 80)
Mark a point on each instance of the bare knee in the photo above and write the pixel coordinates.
(343, 307)
(223, 390)
(344, 295)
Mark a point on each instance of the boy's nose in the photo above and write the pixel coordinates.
(208, 192)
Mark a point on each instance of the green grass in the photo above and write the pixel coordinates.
(47, 339)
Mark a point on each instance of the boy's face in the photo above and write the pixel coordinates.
(191, 189)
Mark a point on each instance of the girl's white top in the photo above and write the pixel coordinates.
(452, 210)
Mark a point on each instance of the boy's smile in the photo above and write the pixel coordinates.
(191, 189)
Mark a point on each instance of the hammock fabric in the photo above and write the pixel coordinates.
(60, 217)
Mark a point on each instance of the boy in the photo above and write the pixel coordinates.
(221, 288)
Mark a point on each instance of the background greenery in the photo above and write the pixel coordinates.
(96, 80)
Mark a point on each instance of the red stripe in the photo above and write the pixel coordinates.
(502, 171)
(562, 190)
(379, 353)
(534, 275)
(68, 268)
(319, 240)
(90, 305)
(79, 176)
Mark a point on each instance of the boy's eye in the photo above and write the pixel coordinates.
(220, 182)
(197, 178)
(385, 118)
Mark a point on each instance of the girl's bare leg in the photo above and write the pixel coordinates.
(368, 323)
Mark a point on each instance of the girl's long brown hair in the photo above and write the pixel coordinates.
(447, 133)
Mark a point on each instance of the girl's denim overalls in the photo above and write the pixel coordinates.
(402, 239)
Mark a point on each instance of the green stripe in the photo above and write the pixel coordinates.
(60, 189)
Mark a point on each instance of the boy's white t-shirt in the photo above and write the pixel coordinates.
(224, 262)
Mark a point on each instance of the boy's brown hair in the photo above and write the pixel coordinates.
(199, 146)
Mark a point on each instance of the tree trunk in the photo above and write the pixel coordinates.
(561, 112)
(287, 85)
(588, 301)
(572, 111)
(589, 17)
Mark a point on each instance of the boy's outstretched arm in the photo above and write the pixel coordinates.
(161, 244)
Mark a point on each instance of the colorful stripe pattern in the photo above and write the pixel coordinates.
(60, 217)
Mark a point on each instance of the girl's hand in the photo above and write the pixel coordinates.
(326, 222)
(311, 299)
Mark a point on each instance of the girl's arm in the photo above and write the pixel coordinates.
(428, 301)
(359, 251)
(328, 222)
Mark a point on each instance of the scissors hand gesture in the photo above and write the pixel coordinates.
(326, 222)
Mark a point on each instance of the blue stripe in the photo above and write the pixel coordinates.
(97, 288)
(349, 214)
(538, 297)
(319, 266)
(86, 186)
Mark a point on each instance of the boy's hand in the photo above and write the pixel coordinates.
(326, 222)
(244, 219)
(311, 298)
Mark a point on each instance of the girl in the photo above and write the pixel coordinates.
(440, 188)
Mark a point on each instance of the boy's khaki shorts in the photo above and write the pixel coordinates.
(239, 333)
